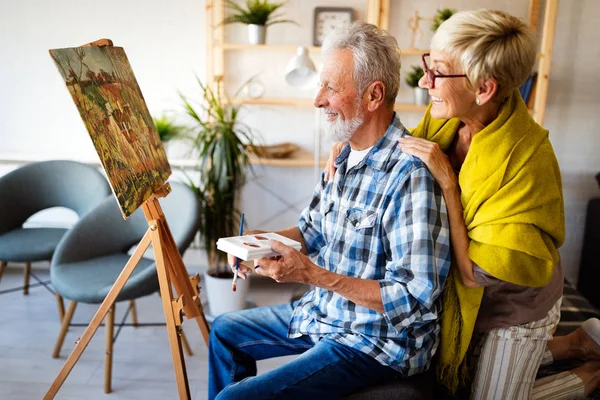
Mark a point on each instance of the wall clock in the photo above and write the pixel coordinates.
(328, 19)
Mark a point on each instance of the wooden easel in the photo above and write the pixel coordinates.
(171, 271)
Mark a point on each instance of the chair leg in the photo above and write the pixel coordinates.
(61, 305)
(64, 327)
(134, 319)
(186, 345)
(26, 278)
(2, 265)
(110, 325)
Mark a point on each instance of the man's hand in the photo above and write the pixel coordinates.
(244, 270)
(291, 266)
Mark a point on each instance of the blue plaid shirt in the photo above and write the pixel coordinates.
(384, 219)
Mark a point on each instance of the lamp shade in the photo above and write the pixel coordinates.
(301, 72)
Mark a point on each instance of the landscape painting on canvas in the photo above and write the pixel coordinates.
(113, 109)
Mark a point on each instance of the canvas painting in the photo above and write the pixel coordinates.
(114, 112)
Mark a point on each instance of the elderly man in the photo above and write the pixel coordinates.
(379, 234)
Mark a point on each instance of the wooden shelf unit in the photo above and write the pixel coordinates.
(378, 14)
(299, 158)
(300, 102)
(314, 49)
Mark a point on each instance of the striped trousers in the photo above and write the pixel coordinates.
(505, 362)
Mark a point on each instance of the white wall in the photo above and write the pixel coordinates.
(165, 45)
(163, 40)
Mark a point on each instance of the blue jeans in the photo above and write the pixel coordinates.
(326, 369)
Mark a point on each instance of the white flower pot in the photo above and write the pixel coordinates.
(221, 298)
(257, 34)
(421, 96)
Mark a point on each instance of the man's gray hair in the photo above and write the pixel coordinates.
(375, 53)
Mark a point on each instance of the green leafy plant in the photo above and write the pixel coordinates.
(440, 16)
(412, 79)
(256, 12)
(167, 128)
(220, 141)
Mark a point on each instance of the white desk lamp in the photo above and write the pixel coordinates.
(301, 72)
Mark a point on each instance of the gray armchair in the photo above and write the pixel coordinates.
(93, 253)
(35, 187)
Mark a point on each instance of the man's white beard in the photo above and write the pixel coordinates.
(342, 130)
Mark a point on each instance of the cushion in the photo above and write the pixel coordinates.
(31, 244)
(90, 281)
(417, 387)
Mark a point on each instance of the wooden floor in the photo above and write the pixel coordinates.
(142, 366)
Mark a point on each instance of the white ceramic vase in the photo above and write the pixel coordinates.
(421, 96)
(257, 34)
(221, 298)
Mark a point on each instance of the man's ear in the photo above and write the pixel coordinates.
(375, 95)
(487, 91)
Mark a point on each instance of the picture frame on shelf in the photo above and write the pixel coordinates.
(327, 19)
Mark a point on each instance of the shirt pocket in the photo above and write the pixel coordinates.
(362, 242)
(361, 219)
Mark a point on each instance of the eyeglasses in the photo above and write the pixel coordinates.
(432, 75)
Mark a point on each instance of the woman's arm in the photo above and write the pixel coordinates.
(439, 166)
(335, 151)
(459, 237)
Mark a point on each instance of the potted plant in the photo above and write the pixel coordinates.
(257, 14)
(167, 129)
(440, 16)
(220, 142)
(421, 96)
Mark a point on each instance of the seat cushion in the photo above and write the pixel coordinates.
(30, 244)
(90, 281)
(417, 387)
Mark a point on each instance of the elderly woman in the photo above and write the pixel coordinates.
(502, 185)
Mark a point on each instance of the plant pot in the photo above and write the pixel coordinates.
(421, 96)
(257, 34)
(221, 298)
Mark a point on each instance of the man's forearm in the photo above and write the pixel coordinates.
(364, 292)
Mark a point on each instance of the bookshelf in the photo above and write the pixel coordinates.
(378, 13)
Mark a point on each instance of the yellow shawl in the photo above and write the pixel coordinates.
(511, 194)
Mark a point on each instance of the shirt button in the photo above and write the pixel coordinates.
(356, 224)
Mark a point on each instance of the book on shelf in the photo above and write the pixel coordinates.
(527, 89)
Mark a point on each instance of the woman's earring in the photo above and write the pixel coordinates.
(477, 101)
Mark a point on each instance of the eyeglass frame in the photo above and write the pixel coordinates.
(432, 75)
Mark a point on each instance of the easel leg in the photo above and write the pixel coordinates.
(99, 316)
(179, 275)
(179, 270)
(186, 345)
(26, 278)
(2, 265)
(110, 326)
(173, 328)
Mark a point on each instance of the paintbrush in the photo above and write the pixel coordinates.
(237, 260)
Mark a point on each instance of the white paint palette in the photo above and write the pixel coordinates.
(251, 247)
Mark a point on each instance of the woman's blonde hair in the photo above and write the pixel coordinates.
(488, 44)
